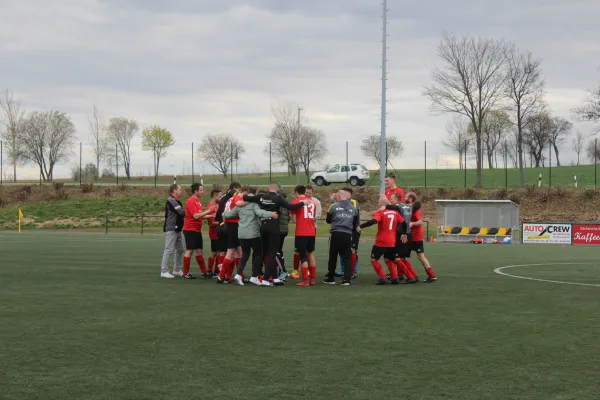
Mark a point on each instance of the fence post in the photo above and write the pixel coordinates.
(142, 224)
(1, 162)
(595, 160)
(117, 161)
(425, 164)
(550, 166)
(465, 163)
(270, 177)
(106, 225)
(540, 180)
(347, 172)
(80, 161)
(505, 165)
(154, 165)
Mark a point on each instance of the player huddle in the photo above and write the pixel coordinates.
(245, 224)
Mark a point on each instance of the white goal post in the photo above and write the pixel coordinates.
(489, 220)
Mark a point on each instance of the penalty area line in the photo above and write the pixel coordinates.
(500, 271)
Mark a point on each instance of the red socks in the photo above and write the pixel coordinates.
(296, 261)
(304, 273)
(353, 263)
(313, 272)
(410, 269)
(186, 265)
(430, 272)
(401, 268)
(211, 264)
(201, 263)
(407, 269)
(226, 269)
(378, 269)
(392, 268)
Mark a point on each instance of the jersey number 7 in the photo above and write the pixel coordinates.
(391, 218)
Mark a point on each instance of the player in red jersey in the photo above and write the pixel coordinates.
(304, 244)
(192, 231)
(234, 250)
(390, 187)
(418, 237)
(213, 232)
(385, 242)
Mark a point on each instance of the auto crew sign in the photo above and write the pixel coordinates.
(547, 233)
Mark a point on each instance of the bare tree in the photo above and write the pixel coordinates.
(525, 89)
(285, 136)
(509, 148)
(313, 147)
(493, 129)
(590, 110)
(561, 128)
(120, 133)
(371, 147)
(458, 137)
(220, 150)
(537, 136)
(577, 144)
(592, 151)
(470, 82)
(48, 139)
(97, 138)
(11, 116)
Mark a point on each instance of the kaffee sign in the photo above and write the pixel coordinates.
(586, 234)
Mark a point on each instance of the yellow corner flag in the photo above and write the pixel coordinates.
(20, 216)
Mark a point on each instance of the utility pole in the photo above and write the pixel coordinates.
(383, 101)
(298, 161)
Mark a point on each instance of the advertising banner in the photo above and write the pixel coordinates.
(586, 234)
(547, 233)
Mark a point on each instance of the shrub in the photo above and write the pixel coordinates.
(544, 196)
(108, 173)
(469, 194)
(108, 192)
(515, 198)
(441, 192)
(501, 194)
(61, 194)
(2, 202)
(58, 186)
(122, 187)
(561, 192)
(590, 193)
(23, 193)
(87, 188)
(530, 190)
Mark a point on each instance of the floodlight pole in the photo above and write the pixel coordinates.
(298, 138)
(383, 163)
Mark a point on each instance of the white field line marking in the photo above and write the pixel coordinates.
(499, 272)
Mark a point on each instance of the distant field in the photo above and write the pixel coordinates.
(496, 178)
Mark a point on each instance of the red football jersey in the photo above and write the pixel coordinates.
(305, 217)
(417, 231)
(192, 206)
(212, 230)
(387, 221)
(390, 192)
(229, 206)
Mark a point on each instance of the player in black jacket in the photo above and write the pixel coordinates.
(270, 234)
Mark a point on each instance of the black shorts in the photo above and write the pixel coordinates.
(355, 239)
(233, 242)
(304, 245)
(403, 249)
(193, 240)
(215, 245)
(418, 247)
(222, 231)
(389, 253)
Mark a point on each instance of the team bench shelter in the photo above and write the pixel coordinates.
(465, 220)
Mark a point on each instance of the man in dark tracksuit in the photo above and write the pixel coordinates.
(222, 232)
(269, 227)
(344, 220)
(284, 221)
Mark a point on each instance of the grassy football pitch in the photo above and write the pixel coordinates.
(85, 316)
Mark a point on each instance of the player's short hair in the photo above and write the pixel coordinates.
(300, 189)
(196, 186)
(383, 201)
(252, 190)
(235, 186)
(173, 188)
(412, 196)
(262, 191)
(398, 197)
(214, 192)
(349, 190)
(245, 188)
(309, 187)
(391, 175)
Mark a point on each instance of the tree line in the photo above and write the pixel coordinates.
(497, 91)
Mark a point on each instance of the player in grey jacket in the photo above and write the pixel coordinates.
(344, 220)
(249, 235)
(174, 217)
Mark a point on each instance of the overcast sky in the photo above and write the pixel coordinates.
(199, 66)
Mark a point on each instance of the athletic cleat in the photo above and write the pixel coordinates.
(329, 281)
(238, 279)
(246, 280)
(411, 281)
(188, 276)
(395, 282)
(222, 282)
(431, 279)
(283, 275)
(303, 283)
(278, 282)
(382, 282)
(354, 276)
(177, 273)
(206, 276)
(265, 283)
(388, 277)
(345, 283)
(166, 275)
(312, 281)
(255, 281)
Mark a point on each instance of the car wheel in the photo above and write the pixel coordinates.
(320, 181)
(354, 181)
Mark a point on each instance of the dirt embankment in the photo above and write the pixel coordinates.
(537, 204)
